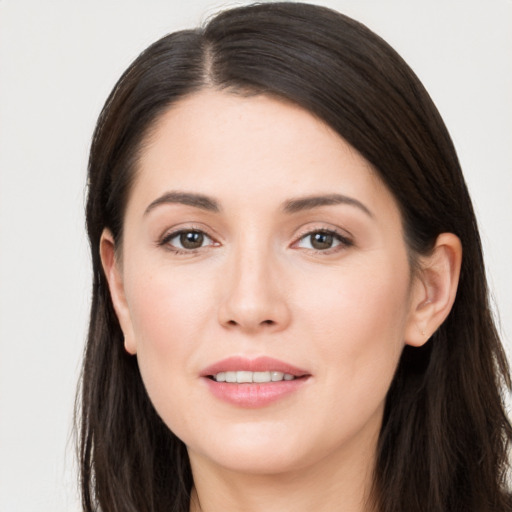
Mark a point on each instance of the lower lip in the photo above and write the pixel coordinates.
(254, 395)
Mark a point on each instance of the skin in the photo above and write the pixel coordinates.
(258, 285)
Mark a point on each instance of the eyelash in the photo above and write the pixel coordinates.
(343, 241)
(165, 241)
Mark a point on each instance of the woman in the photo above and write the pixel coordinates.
(289, 301)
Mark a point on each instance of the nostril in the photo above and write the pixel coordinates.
(268, 322)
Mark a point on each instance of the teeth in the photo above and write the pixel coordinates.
(241, 377)
(261, 377)
(244, 377)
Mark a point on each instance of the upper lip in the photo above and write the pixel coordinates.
(259, 364)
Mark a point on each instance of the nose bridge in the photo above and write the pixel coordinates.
(253, 298)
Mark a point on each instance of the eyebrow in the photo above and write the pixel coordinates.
(291, 206)
(188, 198)
(310, 202)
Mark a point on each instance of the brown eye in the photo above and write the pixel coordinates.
(321, 241)
(187, 240)
(191, 239)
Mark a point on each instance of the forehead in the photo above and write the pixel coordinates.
(243, 148)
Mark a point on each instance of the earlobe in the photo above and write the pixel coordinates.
(113, 274)
(435, 288)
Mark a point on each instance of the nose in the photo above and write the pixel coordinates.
(254, 294)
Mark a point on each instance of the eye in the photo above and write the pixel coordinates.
(322, 240)
(187, 240)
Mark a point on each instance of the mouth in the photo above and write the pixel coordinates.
(243, 377)
(241, 370)
(253, 382)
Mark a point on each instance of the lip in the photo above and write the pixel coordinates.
(260, 364)
(253, 395)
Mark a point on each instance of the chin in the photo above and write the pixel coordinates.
(255, 460)
(252, 449)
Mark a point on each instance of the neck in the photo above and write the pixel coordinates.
(340, 481)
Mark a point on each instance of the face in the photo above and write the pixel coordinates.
(259, 246)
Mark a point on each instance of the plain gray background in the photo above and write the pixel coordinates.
(58, 62)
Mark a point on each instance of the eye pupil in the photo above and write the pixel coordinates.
(321, 240)
(191, 239)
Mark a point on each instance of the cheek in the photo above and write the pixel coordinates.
(166, 306)
(359, 327)
(168, 312)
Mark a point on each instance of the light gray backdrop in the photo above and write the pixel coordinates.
(58, 62)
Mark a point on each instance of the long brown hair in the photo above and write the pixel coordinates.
(445, 434)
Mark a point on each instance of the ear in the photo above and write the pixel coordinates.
(113, 272)
(434, 289)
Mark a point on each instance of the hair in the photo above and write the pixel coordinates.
(444, 439)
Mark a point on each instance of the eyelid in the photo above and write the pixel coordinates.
(169, 234)
(345, 239)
